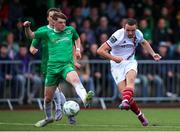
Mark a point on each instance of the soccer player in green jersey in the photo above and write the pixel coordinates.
(35, 43)
(59, 97)
(60, 61)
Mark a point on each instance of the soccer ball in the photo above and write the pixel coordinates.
(71, 108)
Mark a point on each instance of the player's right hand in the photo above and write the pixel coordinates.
(156, 57)
(117, 59)
(27, 24)
(33, 50)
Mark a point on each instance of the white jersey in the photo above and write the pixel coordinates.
(123, 46)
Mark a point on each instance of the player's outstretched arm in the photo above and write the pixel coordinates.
(78, 45)
(103, 51)
(76, 64)
(28, 31)
(147, 46)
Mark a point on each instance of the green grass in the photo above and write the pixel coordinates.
(94, 120)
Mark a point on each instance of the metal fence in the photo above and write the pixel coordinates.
(9, 92)
(156, 81)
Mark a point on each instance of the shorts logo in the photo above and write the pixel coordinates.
(112, 39)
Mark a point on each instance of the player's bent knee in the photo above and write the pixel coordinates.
(75, 79)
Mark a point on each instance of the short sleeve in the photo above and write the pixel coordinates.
(40, 34)
(113, 39)
(35, 42)
(140, 36)
(75, 34)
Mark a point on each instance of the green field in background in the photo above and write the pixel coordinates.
(94, 120)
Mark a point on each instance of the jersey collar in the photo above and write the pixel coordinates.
(49, 27)
(56, 31)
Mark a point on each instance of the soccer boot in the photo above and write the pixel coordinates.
(89, 98)
(58, 115)
(143, 120)
(72, 120)
(43, 122)
(124, 105)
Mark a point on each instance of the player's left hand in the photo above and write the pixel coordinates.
(78, 54)
(33, 50)
(156, 57)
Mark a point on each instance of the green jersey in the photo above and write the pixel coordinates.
(60, 46)
(44, 43)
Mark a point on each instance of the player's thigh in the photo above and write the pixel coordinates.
(118, 72)
(72, 77)
(130, 78)
(131, 71)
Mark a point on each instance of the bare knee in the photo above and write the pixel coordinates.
(130, 78)
(73, 77)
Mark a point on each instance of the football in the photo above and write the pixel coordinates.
(71, 108)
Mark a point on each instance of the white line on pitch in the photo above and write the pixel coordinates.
(87, 125)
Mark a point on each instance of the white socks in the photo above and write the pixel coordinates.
(60, 99)
(48, 109)
(57, 99)
(81, 91)
(63, 98)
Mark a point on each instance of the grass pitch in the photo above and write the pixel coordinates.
(94, 120)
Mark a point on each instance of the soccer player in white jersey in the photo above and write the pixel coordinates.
(122, 45)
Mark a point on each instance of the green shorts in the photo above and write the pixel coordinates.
(54, 76)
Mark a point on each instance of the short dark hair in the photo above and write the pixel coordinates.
(59, 15)
(53, 9)
(131, 21)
